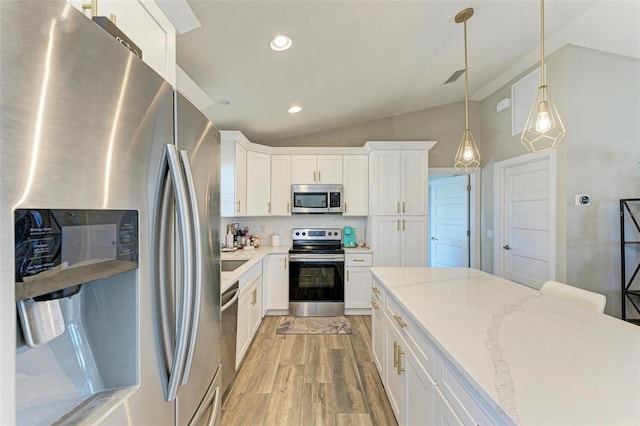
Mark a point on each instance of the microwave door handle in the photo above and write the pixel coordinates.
(182, 335)
(196, 262)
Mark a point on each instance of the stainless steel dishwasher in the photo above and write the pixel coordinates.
(229, 311)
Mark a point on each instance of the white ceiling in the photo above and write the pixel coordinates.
(354, 61)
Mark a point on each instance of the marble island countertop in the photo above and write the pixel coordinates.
(535, 358)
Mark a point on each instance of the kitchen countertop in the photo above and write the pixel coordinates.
(357, 250)
(253, 256)
(537, 358)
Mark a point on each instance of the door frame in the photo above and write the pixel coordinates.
(474, 210)
(499, 169)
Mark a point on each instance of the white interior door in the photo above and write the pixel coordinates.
(525, 209)
(449, 221)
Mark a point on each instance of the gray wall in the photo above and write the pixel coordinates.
(444, 124)
(603, 160)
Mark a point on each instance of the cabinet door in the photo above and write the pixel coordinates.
(386, 235)
(394, 379)
(304, 169)
(240, 164)
(419, 392)
(355, 178)
(329, 169)
(255, 317)
(277, 282)
(444, 414)
(377, 336)
(244, 325)
(357, 288)
(258, 183)
(384, 183)
(280, 185)
(413, 241)
(414, 185)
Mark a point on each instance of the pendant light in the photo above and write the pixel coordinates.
(544, 129)
(467, 157)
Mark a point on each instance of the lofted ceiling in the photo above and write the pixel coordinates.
(354, 61)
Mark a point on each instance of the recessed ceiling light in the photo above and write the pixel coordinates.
(280, 43)
(224, 102)
(294, 109)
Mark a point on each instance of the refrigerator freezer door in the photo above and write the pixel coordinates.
(82, 126)
(201, 140)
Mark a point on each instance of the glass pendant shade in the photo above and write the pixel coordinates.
(544, 129)
(467, 157)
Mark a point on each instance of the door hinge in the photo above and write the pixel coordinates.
(468, 233)
(468, 187)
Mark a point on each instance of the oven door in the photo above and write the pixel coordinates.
(316, 278)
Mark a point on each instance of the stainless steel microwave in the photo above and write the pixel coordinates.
(316, 198)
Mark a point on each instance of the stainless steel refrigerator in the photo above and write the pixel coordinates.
(95, 147)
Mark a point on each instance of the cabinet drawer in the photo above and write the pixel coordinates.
(249, 277)
(365, 259)
(415, 338)
(459, 395)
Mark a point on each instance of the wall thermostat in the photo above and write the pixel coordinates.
(582, 200)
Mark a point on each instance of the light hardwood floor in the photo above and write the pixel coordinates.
(308, 380)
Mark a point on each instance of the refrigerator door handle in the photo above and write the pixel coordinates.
(196, 250)
(186, 232)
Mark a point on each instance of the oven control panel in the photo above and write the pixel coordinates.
(310, 234)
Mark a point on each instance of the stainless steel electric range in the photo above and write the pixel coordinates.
(316, 272)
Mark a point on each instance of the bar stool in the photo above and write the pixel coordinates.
(588, 299)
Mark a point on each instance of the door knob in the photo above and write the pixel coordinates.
(506, 247)
(434, 238)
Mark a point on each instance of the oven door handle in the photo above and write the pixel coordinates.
(315, 258)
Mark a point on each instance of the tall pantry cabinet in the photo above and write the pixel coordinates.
(398, 202)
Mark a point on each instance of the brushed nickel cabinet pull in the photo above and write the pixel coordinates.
(403, 224)
(358, 260)
(238, 203)
(398, 209)
(269, 207)
(376, 290)
(399, 366)
(319, 179)
(395, 354)
(375, 305)
(345, 207)
(314, 176)
(401, 323)
(403, 207)
(288, 208)
(398, 224)
(285, 263)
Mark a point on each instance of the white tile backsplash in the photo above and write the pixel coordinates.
(282, 225)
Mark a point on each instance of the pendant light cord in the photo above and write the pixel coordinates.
(466, 81)
(542, 83)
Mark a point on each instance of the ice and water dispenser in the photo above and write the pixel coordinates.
(77, 301)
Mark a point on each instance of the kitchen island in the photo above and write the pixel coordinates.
(498, 352)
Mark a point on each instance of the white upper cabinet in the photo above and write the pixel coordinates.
(233, 179)
(280, 185)
(258, 184)
(355, 176)
(310, 169)
(147, 27)
(398, 182)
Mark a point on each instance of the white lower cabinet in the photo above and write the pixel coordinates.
(409, 387)
(276, 285)
(378, 334)
(444, 414)
(357, 283)
(422, 385)
(249, 310)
